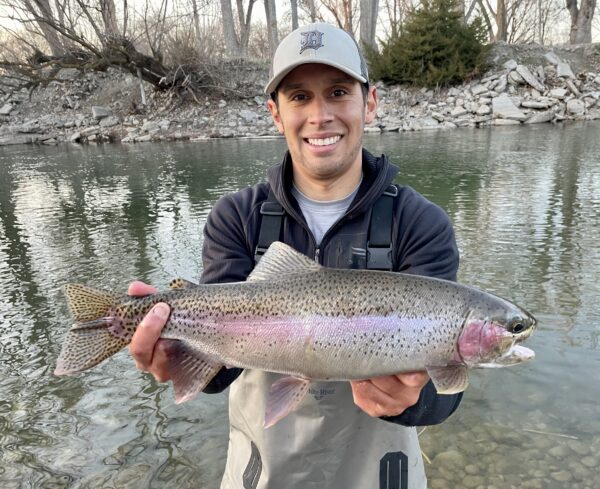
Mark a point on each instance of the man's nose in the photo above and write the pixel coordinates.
(320, 111)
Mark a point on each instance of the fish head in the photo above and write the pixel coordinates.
(493, 339)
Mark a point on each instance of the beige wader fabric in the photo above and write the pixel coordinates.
(327, 443)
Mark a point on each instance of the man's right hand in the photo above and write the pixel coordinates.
(146, 347)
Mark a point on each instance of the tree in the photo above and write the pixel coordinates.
(581, 20)
(434, 47)
(368, 22)
(273, 36)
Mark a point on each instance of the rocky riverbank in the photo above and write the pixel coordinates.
(527, 85)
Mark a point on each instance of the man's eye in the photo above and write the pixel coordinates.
(338, 92)
(299, 97)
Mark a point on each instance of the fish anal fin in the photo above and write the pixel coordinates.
(284, 397)
(86, 303)
(451, 379)
(86, 345)
(181, 283)
(190, 370)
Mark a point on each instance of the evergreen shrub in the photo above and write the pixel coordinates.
(432, 48)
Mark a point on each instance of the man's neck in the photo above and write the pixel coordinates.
(328, 189)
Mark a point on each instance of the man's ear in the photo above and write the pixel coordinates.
(272, 106)
(371, 106)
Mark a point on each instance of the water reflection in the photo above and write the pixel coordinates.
(525, 204)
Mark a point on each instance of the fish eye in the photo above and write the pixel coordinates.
(517, 327)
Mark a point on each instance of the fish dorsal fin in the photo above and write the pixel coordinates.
(280, 261)
(181, 283)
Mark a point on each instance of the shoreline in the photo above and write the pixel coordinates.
(545, 86)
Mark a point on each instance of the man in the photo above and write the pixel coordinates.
(345, 434)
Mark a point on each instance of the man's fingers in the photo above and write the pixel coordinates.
(371, 399)
(147, 334)
(138, 288)
(413, 379)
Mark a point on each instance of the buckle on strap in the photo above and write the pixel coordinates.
(379, 258)
(271, 209)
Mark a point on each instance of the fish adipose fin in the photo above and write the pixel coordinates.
(284, 397)
(90, 340)
(190, 370)
(281, 261)
(181, 283)
(449, 380)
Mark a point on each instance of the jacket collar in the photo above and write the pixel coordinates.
(378, 175)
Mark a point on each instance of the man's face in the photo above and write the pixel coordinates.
(321, 112)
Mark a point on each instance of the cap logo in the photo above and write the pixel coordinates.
(311, 40)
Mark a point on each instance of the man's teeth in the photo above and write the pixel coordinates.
(325, 141)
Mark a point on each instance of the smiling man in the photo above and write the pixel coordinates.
(333, 201)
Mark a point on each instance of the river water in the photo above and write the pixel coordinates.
(526, 207)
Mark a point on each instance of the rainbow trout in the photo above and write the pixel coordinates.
(298, 318)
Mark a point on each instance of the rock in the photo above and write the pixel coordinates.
(575, 107)
(458, 111)
(109, 121)
(514, 78)
(28, 127)
(18, 139)
(540, 117)
(505, 122)
(588, 462)
(483, 110)
(562, 476)
(75, 137)
(536, 104)
(67, 74)
(504, 108)
(450, 459)
(552, 58)
(559, 93)
(563, 70)
(6, 109)
(511, 64)
(372, 129)
(437, 116)
(529, 78)
(151, 127)
(479, 90)
(222, 104)
(501, 85)
(248, 115)
(571, 86)
(144, 139)
(259, 100)
(100, 112)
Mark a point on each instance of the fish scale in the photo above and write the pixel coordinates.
(293, 316)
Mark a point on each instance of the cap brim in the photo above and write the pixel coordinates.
(276, 80)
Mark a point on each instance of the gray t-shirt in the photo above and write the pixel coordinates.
(320, 215)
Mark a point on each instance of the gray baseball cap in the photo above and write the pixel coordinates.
(317, 43)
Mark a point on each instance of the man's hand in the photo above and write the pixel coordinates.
(390, 395)
(148, 351)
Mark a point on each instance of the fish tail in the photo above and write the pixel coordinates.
(92, 338)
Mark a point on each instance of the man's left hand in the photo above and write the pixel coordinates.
(390, 395)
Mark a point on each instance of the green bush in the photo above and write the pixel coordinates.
(432, 48)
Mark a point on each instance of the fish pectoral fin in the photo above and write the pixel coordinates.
(284, 397)
(181, 283)
(190, 370)
(451, 379)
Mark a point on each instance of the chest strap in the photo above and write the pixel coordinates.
(379, 240)
(270, 225)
